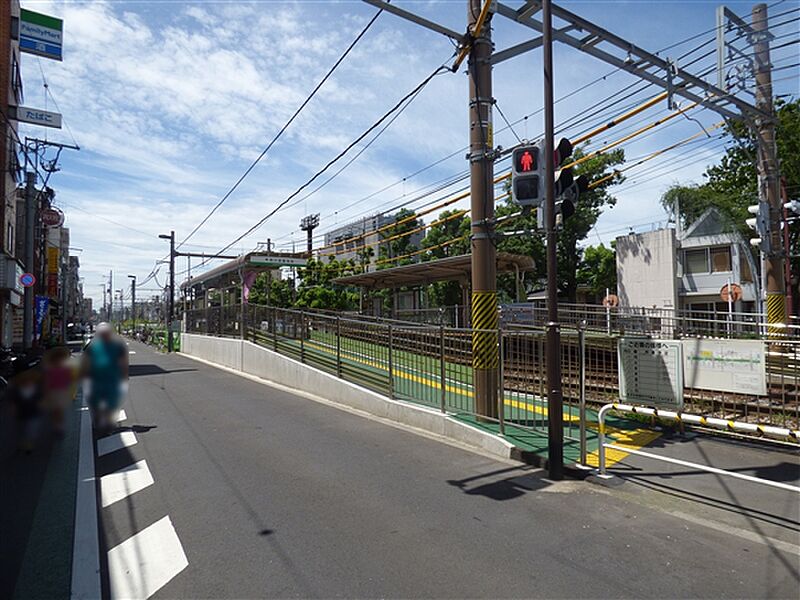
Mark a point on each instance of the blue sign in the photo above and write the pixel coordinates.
(27, 279)
(41, 305)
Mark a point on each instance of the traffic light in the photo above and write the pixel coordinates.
(759, 223)
(567, 189)
(526, 176)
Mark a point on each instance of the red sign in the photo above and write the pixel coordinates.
(735, 292)
(27, 279)
(52, 217)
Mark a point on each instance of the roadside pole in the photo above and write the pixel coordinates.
(171, 288)
(555, 418)
(30, 228)
(484, 265)
(768, 179)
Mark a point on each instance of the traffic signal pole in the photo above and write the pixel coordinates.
(555, 419)
(768, 176)
(485, 357)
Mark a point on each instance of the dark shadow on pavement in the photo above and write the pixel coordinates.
(150, 369)
(503, 489)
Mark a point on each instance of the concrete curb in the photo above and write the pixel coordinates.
(270, 367)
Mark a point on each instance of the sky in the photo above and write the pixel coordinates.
(171, 101)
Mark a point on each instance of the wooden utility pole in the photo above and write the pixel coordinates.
(555, 419)
(768, 176)
(484, 266)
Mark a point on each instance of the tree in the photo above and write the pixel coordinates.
(576, 228)
(731, 185)
(317, 289)
(449, 226)
(396, 243)
(280, 291)
(598, 269)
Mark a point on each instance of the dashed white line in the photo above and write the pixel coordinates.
(117, 441)
(144, 563)
(120, 484)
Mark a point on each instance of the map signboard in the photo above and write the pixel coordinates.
(650, 372)
(725, 365)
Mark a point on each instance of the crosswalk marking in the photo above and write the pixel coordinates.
(117, 441)
(121, 416)
(120, 484)
(145, 562)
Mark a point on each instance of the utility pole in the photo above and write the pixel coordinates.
(484, 261)
(768, 178)
(555, 419)
(133, 301)
(110, 296)
(171, 290)
(30, 228)
(787, 275)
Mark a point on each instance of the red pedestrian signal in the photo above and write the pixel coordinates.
(525, 160)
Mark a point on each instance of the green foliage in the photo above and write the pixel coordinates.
(401, 245)
(445, 231)
(589, 207)
(598, 269)
(731, 185)
(280, 291)
(317, 290)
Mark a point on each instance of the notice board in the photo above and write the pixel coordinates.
(736, 366)
(650, 372)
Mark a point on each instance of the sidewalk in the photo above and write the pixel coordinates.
(37, 510)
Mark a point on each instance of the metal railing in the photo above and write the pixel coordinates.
(779, 433)
(432, 365)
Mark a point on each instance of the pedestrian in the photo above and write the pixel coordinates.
(105, 366)
(58, 385)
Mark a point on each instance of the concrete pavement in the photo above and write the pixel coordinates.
(267, 494)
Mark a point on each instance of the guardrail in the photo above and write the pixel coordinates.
(712, 422)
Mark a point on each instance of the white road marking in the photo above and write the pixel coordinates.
(131, 351)
(120, 484)
(85, 544)
(145, 562)
(121, 416)
(115, 442)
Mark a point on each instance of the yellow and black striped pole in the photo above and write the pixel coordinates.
(484, 265)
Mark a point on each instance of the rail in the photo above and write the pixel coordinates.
(712, 422)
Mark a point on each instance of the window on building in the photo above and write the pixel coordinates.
(721, 259)
(747, 273)
(695, 261)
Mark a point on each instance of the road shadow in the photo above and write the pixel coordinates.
(494, 486)
(151, 369)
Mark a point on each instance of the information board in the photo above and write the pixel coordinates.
(650, 372)
(725, 365)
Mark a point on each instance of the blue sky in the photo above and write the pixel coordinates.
(170, 102)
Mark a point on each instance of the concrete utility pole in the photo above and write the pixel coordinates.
(555, 419)
(171, 290)
(768, 176)
(133, 301)
(30, 228)
(484, 263)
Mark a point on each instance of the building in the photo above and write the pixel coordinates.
(11, 292)
(340, 242)
(687, 270)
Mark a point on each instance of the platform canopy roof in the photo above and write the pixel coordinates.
(451, 268)
(229, 273)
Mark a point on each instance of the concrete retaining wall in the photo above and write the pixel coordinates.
(273, 367)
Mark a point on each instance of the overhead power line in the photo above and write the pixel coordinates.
(350, 146)
(284, 128)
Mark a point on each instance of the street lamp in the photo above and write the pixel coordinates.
(133, 301)
(171, 299)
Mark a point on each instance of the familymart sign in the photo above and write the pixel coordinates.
(40, 34)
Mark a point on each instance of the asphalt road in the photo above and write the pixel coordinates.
(275, 495)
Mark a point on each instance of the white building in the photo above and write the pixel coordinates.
(687, 270)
